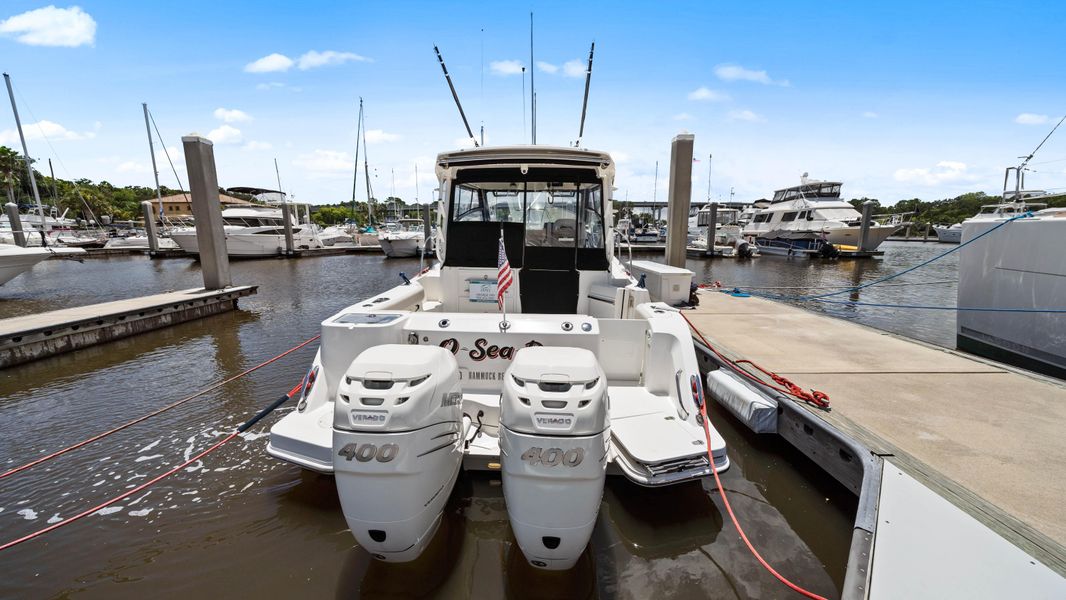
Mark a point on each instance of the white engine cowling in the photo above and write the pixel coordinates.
(397, 426)
(554, 434)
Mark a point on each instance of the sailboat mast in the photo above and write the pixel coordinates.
(151, 151)
(417, 205)
(366, 176)
(355, 176)
(26, 153)
(532, 87)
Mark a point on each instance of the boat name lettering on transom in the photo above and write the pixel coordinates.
(483, 349)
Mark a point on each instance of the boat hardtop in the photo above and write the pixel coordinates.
(614, 381)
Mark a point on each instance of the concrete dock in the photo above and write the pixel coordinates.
(32, 337)
(985, 437)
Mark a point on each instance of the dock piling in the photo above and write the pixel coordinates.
(148, 210)
(711, 226)
(207, 211)
(864, 229)
(679, 200)
(12, 211)
(286, 212)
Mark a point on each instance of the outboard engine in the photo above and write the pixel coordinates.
(554, 435)
(397, 430)
(744, 249)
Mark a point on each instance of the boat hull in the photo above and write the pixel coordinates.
(400, 247)
(247, 245)
(1019, 266)
(14, 261)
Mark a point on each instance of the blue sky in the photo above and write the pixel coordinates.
(898, 100)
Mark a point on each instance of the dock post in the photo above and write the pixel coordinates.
(864, 229)
(12, 211)
(925, 237)
(149, 226)
(427, 231)
(711, 229)
(206, 210)
(680, 198)
(286, 212)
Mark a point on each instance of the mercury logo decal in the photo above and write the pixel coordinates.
(451, 399)
(482, 349)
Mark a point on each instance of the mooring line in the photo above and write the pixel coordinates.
(733, 517)
(244, 427)
(153, 413)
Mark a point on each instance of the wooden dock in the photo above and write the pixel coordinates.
(986, 437)
(32, 337)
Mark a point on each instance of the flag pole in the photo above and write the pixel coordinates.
(504, 325)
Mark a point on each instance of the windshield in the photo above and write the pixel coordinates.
(555, 213)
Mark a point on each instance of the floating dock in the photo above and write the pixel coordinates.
(960, 462)
(32, 337)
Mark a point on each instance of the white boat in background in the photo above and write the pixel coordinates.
(586, 373)
(15, 260)
(728, 233)
(1019, 266)
(140, 241)
(948, 234)
(812, 219)
(338, 234)
(403, 238)
(254, 231)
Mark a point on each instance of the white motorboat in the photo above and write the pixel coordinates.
(338, 234)
(140, 242)
(728, 232)
(586, 373)
(15, 260)
(403, 238)
(811, 219)
(949, 234)
(254, 231)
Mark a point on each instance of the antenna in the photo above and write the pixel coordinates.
(532, 87)
(1039, 146)
(1019, 176)
(455, 97)
(585, 102)
(710, 159)
(482, 105)
(523, 102)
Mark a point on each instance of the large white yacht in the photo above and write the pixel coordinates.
(254, 231)
(1016, 268)
(811, 218)
(586, 373)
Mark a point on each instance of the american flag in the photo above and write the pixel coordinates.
(503, 277)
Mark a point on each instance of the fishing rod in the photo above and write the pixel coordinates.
(455, 97)
(585, 102)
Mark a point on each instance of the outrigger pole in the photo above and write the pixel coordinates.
(455, 96)
(585, 102)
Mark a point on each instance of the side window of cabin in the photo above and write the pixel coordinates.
(789, 216)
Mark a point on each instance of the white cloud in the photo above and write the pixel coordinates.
(707, 95)
(745, 115)
(273, 85)
(270, 63)
(325, 163)
(225, 134)
(313, 59)
(377, 136)
(505, 67)
(869, 115)
(682, 117)
(44, 129)
(232, 115)
(946, 171)
(254, 145)
(1031, 119)
(574, 68)
(51, 26)
(739, 73)
(547, 67)
(619, 157)
(132, 167)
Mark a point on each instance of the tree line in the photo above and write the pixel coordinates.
(943, 212)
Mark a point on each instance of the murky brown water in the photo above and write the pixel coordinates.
(242, 523)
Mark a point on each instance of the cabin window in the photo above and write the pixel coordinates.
(564, 214)
(762, 217)
(789, 216)
(488, 202)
